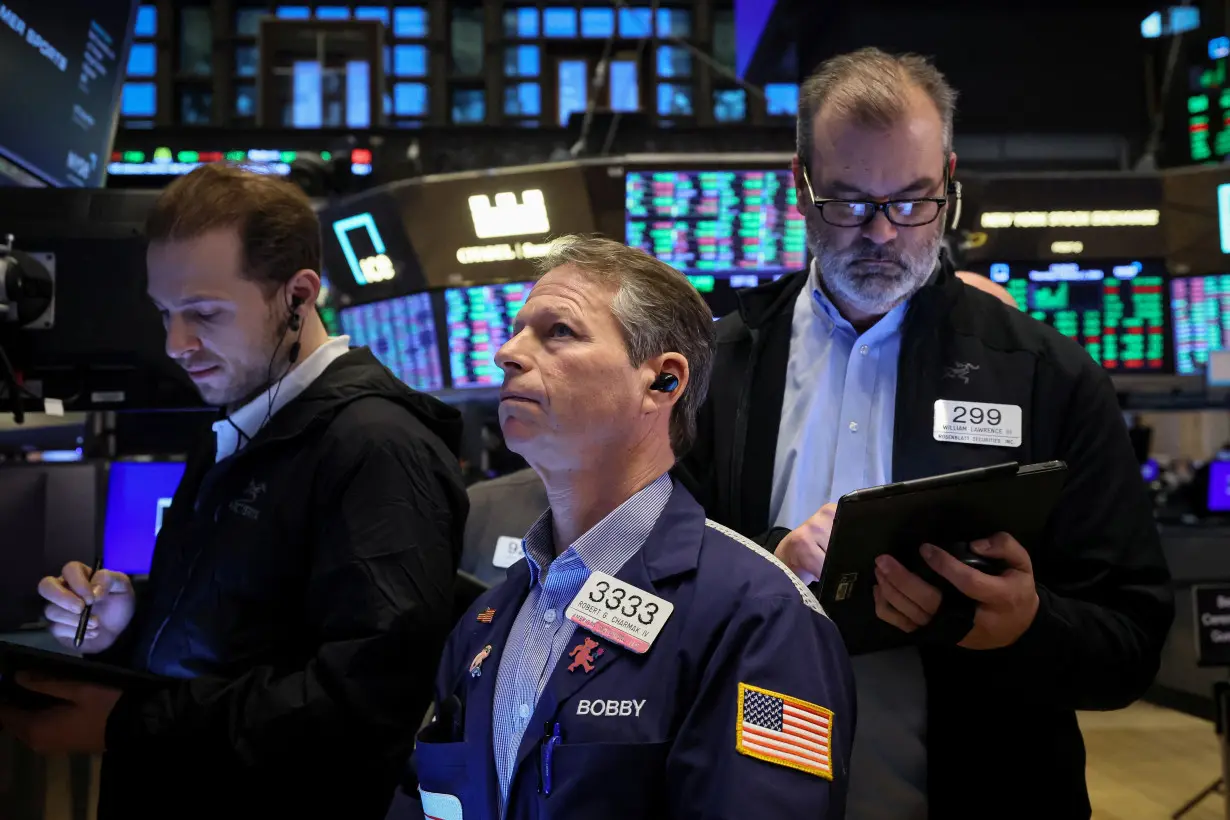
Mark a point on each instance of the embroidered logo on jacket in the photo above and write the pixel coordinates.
(245, 505)
(960, 370)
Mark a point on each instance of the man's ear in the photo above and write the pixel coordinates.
(670, 372)
(305, 286)
(952, 164)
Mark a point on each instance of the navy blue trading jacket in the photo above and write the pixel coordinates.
(658, 735)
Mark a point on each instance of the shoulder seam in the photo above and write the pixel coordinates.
(809, 600)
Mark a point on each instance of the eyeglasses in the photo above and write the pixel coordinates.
(854, 213)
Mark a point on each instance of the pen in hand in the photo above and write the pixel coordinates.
(84, 622)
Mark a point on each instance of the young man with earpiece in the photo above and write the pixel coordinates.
(301, 587)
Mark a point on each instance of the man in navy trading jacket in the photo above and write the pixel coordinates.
(642, 661)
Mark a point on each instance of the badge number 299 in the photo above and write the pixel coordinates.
(620, 612)
(975, 422)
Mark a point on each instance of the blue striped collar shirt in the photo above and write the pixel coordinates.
(541, 633)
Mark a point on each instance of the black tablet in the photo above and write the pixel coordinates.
(943, 510)
(15, 657)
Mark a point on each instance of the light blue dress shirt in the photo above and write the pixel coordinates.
(836, 436)
(541, 632)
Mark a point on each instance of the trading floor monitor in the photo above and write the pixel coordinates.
(138, 495)
(401, 332)
(717, 221)
(479, 321)
(1115, 309)
(48, 516)
(1201, 309)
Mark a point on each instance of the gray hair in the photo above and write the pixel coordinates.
(869, 86)
(658, 310)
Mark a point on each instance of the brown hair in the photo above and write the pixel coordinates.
(869, 86)
(658, 311)
(278, 229)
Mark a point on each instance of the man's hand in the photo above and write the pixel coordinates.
(110, 593)
(79, 726)
(803, 550)
(1006, 604)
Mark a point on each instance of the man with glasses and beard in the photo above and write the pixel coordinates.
(827, 381)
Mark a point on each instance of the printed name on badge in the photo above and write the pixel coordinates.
(620, 612)
(974, 422)
(508, 551)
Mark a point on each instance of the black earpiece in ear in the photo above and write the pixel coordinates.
(665, 383)
(295, 319)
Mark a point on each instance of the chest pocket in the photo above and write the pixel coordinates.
(580, 771)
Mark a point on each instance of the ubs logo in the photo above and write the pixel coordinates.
(376, 267)
(507, 217)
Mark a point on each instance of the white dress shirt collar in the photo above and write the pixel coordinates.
(237, 429)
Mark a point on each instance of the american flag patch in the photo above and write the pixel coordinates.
(486, 616)
(787, 731)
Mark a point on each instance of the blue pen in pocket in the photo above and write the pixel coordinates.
(551, 739)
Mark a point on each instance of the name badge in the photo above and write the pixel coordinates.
(620, 612)
(973, 422)
(508, 551)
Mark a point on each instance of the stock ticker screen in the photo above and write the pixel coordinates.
(401, 332)
(712, 222)
(63, 64)
(480, 320)
(1115, 310)
(1200, 306)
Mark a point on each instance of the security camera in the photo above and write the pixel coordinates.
(27, 288)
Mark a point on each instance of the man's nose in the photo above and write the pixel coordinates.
(181, 341)
(510, 357)
(879, 230)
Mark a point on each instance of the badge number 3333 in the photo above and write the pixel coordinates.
(620, 612)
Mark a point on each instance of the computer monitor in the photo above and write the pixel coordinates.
(717, 221)
(138, 493)
(401, 332)
(479, 321)
(1219, 487)
(1201, 309)
(64, 64)
(1116, 309)
(49, 517)
(23, 498)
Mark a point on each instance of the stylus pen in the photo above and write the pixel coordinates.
(84, 623)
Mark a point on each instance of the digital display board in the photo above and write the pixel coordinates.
(1208, 110)
(1200, 306)
(479, 321)
(491, 225)
(366, 249)
(163, 161)
(702, 221)
(401, 332)
(1115, 309)
(138, 494)
(63, 63)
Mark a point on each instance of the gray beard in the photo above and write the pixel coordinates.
(874, 291)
